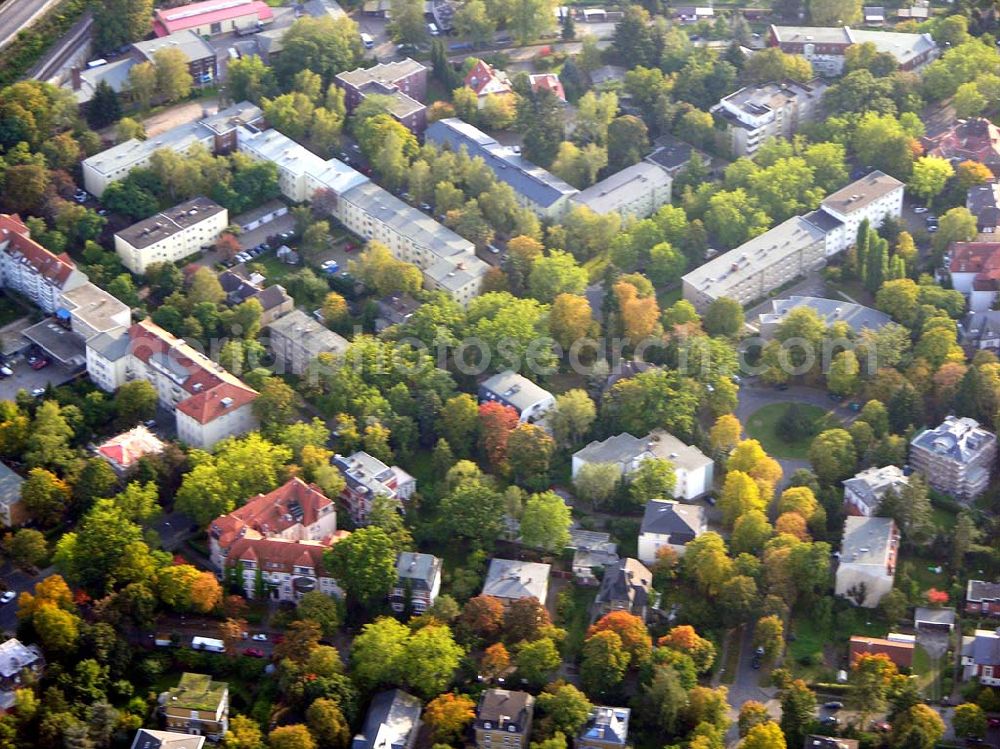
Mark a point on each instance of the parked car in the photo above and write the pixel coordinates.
(834, 705)
(40, 363)
(920, 209)
(830, 721)
(259, 637)
(330, 267)
(8, 596)
(38, 392)
(254, 653)
(5, 371)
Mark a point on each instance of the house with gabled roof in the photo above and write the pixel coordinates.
(125, 450)
(982, 597)
(485, 80)
(667, 523)
(392, 722)
(864, 492)
(981, 657)
(626, 586)
(606, 728)
(295, 511)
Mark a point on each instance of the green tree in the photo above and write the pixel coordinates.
(173, 79)
(364, 563)
(104, 108)
(540, 118)
(969, 721)
(664, 699)
(653, 479)
(134, 402)
(142, 83)
(327, 724)
(597, 482)
(545, 522)
(930, 175)
(832, 455)
(724, 317)
(318, 607)
(26, 547)
(323, 45)
(294, 736)
(566, 706)
(537, 660)
(473, 22)
(764, 736)
(627, 142)
(119, 22)
(45, 496)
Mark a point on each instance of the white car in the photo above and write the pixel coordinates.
(920, 209)
(8, 596)
(260, 637)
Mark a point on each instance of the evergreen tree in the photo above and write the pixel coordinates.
(443, 70)
(104, 108)
(968, 399)
(962, 538)
(541, 120)
(568, 27)
(897, 268)
(861, 249)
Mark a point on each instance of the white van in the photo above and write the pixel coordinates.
(208, 643)
(366, 39)
(433, 30)
(96, 63)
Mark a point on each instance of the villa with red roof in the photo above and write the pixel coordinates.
(975, 271)
(295, 511)
(281, 569)
(210, 403)
(548, 81)
(212, 17)
(125, 450)
(485, 80)
(33, 271)
(975, 139)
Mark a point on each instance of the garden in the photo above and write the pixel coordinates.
(785, 430)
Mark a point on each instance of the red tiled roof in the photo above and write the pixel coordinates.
(548, 81)
(981, 258)
(976, 139)
(172, 20)
(127, 448)
(480, 76)
(209, 405)
(56, 268)
(280, 555)
(268, 513)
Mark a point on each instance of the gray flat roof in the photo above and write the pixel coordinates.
(188, 42)
(157, 228)
(752, 256)
(812, 34)
(623, 187)
(386, 72)
(866, 540)
(10, 485)
(63, 344)
(133, 151)
(100, 310)
(857, 316)
(315, 336)
(860, 193)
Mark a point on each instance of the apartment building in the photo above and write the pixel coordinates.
(874, 197)
(626, 586)
(392, 722)
(281, 569)
(295, 511)
(606, 728)
(210, 404)
(177, 233)
(418, 582)
(503, 719)
(534, 187)
(31, 270)
(694, 470)
(516, 391)
(826, 46)
(212, 17)
(867, 565)
(368, 477)
(864, 492)
(404, 83)
(957, 457)
(93, 311)
(511, 580)
(217, 133)
(758, 266)
(201, 58)
(768, 110)
(296, 339)
(198, 705)
(13, 513)
(975, 271)
(19, 663)
(667, 523)
(147, 738)
(124, 451)
(636, 191)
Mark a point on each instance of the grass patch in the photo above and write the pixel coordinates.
(812, 633)
(274, 270)
(928, 673)
(731, 665)
(9, 310)
(921, 570)
(763, 426)
(668, 297)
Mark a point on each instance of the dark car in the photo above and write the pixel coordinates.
(781, 386)
(755, 663)
(835, 705)
(830, 721)
(993, 722)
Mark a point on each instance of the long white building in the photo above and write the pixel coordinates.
(31, 270)
(172, 235)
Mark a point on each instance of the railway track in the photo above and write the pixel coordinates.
(64, 50)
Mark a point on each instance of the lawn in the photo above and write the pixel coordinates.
(9, 310)
(812, 633)
(763, 426)
(928, 673)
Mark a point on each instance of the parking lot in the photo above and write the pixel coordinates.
(26, 378)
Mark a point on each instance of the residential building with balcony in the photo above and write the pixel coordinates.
(693, 469)
(825, 47)
(209, 403)
(667, 523)
(957, 457)
(281, 569)
(768, 110)
(295, 511)
(418, 582)
(184, 230)
(503, 719)
(872, 198)
(198, 705)
(868, 555)
(606, 728)
(864, 492)
(368, 477)
(511, 580)
(31, 270)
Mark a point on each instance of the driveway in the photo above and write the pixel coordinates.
(26, 378)
(746, 687)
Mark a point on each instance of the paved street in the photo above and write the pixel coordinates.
(18, 581)
(746, 687)
(17, 15)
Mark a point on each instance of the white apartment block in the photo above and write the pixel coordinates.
(636, 191)
(768, 110)
(448, 261)
(31, 270)
(799, 245)
(210, 404)
(172, 235)
(957, 457)
(867, 565)
(215, 133)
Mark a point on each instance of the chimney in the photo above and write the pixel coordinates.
(77, 80)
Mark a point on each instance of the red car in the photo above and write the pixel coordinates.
(254, 653)
(40, 364)
(993, 722)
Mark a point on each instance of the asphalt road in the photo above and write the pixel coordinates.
(19, 582)
(17, 15)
